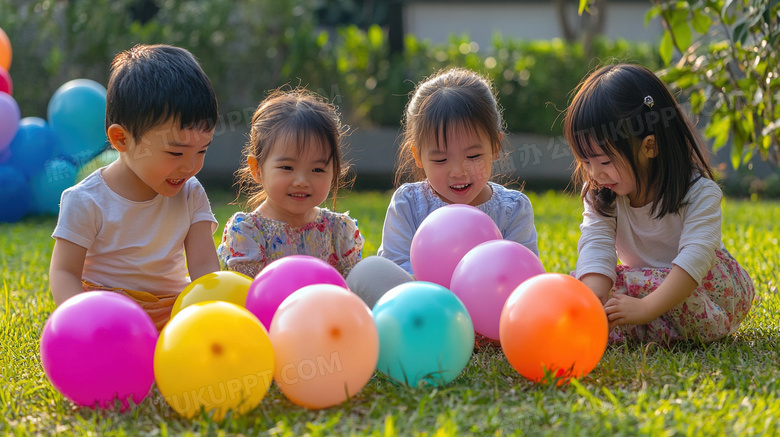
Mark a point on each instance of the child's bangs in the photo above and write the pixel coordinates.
(305, 142)
(590, 132)
(446, 114)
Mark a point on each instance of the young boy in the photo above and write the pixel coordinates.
(126, 226)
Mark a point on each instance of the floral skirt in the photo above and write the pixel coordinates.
(712, 311)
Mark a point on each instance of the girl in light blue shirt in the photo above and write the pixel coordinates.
(453, 131)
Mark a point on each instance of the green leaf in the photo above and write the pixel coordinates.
(666, 49)
(682, 34)
(741, 32)
(736, 152)
(766, 142)
(375, 35)
(697, 101)
(701, 22)
(583, 6)
(718, 129)
(652, 13)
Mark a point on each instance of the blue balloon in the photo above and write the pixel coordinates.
(425, 334)
(32, 146)
(47, 186)
(77, 114)
(15, 195)
(5, 155)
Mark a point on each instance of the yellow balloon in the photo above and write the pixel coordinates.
(214, 355)
(225, 286)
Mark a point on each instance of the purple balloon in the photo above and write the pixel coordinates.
(444, 237)
(284, 276)
(9, 119)
(487, 275)
(98, 346)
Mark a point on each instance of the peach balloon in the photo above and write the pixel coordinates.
(553, 323)
(326, 345)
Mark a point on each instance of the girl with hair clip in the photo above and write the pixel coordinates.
(650, 201)
(453, 131)
(293, 162)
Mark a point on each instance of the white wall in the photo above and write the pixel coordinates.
(437, 21)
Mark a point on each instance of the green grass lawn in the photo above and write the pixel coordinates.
(727, 388)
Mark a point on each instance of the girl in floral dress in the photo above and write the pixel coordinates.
(651, 202)
(293, 162)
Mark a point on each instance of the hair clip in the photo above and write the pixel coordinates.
(649, 101)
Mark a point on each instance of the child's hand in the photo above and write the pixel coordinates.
(626, 310)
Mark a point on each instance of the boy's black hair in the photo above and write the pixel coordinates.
(152, 84)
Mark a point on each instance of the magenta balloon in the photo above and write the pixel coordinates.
(9, 119)
(284, 276)
(444, 237)
(6, 84)
(99, 346)
(487, 275)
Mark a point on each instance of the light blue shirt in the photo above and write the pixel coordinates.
(411, 203)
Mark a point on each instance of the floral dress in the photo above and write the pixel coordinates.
(712, 311)
(251, 241)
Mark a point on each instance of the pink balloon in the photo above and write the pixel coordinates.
(487, 275)
(6, 84)
(284, 276)
(444, 237)
(98, 346)
(9, 119)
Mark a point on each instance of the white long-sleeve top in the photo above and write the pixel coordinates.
(688, 238)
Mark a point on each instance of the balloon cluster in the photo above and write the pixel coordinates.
(39, 159)
(548, 325)
(216, 354)
(297, 324)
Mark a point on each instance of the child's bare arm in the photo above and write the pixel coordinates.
(599, 284)
(623, 309)
(200, 250)
(67, 264)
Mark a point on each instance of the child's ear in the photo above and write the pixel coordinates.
(118, 137)
(417, 159)
(251, 161)
(649, 147)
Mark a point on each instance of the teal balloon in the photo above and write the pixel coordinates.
(32, 146)
(47, 186)
(77, 113)
(426, 336)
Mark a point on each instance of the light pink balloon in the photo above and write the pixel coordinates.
(487, 275)
(284, 276)
(98, 347)
(444, 237)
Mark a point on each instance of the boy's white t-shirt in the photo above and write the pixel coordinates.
(132, 245)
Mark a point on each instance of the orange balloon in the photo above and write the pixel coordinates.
(223, 286)
(5, 50)
(554, 323)
(326, 345)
